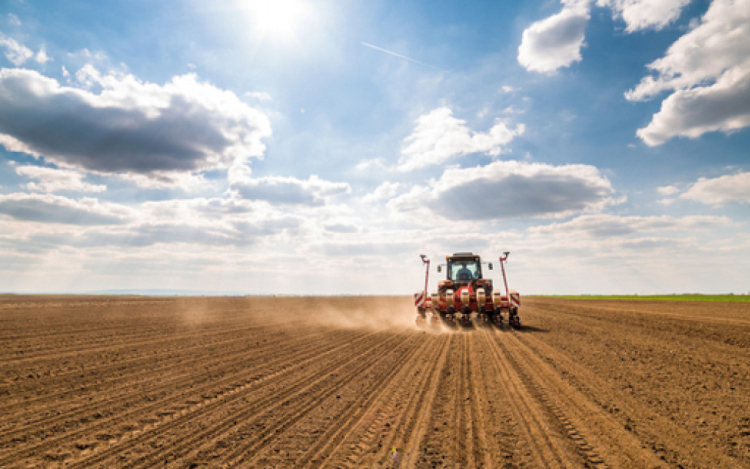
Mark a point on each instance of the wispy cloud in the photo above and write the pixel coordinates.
(15, 52)
(395, 54)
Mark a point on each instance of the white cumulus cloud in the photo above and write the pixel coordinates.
(667, 190)
(280, 190)
(720, 190)
(556, 41)
(603, 225)
(439, 137)
(385, 191)
(511, 189)
(129, 126)
(707, 71)
(48, 208)
(644, 14)
(53, 180)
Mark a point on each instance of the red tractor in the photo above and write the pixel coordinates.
(465, 292)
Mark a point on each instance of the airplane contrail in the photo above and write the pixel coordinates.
(395, 54)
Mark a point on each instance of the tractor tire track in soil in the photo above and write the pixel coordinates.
(350, 382)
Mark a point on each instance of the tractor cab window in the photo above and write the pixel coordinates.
(462, 271)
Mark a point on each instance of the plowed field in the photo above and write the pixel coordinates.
(350, 382)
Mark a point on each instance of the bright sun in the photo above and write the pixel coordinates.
(279, 19)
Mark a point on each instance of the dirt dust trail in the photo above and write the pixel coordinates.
(351, 382)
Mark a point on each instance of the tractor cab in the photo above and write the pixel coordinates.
(464, 268)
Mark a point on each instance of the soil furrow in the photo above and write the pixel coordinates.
(359, 396)
(374, 425)
(467, 438)
(131, 393)
(478, 411)
(58, 353)
(251, 377)
(122, 369)
(251, 454)
(205, 408)
(414, 451)
(620, 441)
(542, 441)
(525, 366)
(408, 405)
(350, 382)
(439, 443)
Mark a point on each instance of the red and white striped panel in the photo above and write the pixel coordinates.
(419, 299)
(515, 299)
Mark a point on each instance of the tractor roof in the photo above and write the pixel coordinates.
(464, 255)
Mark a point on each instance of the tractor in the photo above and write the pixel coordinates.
(466, 292)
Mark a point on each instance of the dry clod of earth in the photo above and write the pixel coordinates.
(351, 382)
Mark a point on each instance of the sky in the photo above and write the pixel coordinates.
(319, 147)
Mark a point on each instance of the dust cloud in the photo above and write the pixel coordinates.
(289, 312)
(375, 313)
(192, 311)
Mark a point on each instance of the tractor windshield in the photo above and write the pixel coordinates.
(463, 270)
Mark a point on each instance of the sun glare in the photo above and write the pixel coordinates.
(277, 19)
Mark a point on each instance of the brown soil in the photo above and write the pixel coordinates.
(350, 382)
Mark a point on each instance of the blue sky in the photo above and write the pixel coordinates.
(318, 147)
